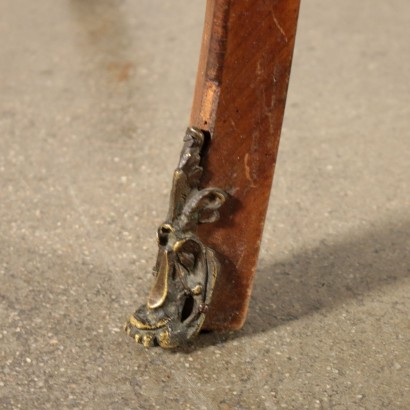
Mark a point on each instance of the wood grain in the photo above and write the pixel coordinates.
(240, 98)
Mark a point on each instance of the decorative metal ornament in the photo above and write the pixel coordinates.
(186, 269)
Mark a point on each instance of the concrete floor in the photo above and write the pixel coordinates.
(94, 99)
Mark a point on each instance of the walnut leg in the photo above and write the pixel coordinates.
(240, 99)
(207, 257)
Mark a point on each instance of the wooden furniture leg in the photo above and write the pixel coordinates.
(240, 99)
(206, 259)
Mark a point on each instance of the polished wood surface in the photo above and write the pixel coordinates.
(240, 98)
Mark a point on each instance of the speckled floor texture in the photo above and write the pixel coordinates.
(95, 96)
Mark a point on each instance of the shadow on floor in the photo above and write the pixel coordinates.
(325, 276)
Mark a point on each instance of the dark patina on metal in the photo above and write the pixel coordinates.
(186, 269)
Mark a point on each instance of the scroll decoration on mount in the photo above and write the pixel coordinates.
(186, 269)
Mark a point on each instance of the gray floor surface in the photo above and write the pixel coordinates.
(94, 100)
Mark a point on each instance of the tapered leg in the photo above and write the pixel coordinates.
(240, 99)
(207, 256)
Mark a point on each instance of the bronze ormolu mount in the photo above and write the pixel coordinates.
(186, 269)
